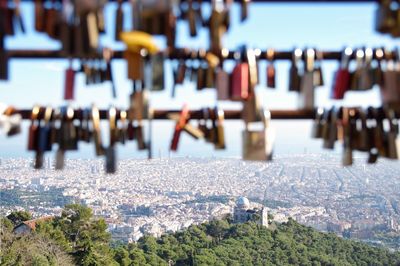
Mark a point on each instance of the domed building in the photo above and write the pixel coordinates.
(243, 203)
(243, 213)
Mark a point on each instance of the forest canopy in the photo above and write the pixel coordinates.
(78, 238)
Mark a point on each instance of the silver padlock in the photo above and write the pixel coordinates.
(306, 97)
(258, 144)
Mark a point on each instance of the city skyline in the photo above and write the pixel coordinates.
(162, 195)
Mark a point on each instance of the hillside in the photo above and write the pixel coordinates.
(77, 236)
(221, 243)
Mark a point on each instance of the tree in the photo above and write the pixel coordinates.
(121, 255)
(217, 228)
(87, 236)
(137, 256)
(148, 244)
(78, 238)
(33, 249)
(18, 217)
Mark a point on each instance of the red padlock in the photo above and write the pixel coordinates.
(341, 81)
(240, 82)
(183, 119)
(69, 84)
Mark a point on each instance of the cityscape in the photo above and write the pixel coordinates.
(166, 195)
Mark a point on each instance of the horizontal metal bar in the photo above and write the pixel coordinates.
(281, 1)
(197, 114)
(186, 53)
(237, 114)
(176, 54)
(306, 1)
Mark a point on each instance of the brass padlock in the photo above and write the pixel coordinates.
(135, 65)
(271, 72)
(251, 109)
(217, 26)
(347, 157)
(139, 105)
(95, 117)
(191, 18)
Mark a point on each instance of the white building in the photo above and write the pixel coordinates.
(243, 213)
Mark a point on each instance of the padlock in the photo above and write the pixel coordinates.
(318, 73)
(253, 70)
(39, 16)
(201, 77)
(69, 83)
(222, 84)
(183, 118)
(390, 93)
(385, 17)
(330, 130)
(319, 123)
(258, 144)
(141, 144)
(347, 157)
(3, 64)
(251, 109)
(355, 76)
(111, 161)
(122, 128)
(218, 128)
(306, 96)
(377, 70)
(294, 75)
(44, 132)
(366, 74)
(33, 129)
(363, 138)
(191, 18)
(217, 27)
(93, 31)
(203, 124)
(271, 72)
(157, 72)
(240, 81)
(139, 105)
(392, 135)
(67, 132)
(52, 17)
(341, 81)
(244, 9)
(119, 21)
(135, 65)
(95, 117)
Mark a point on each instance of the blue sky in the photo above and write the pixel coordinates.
(281, 26)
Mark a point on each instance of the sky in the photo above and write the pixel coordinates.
(281, 26)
